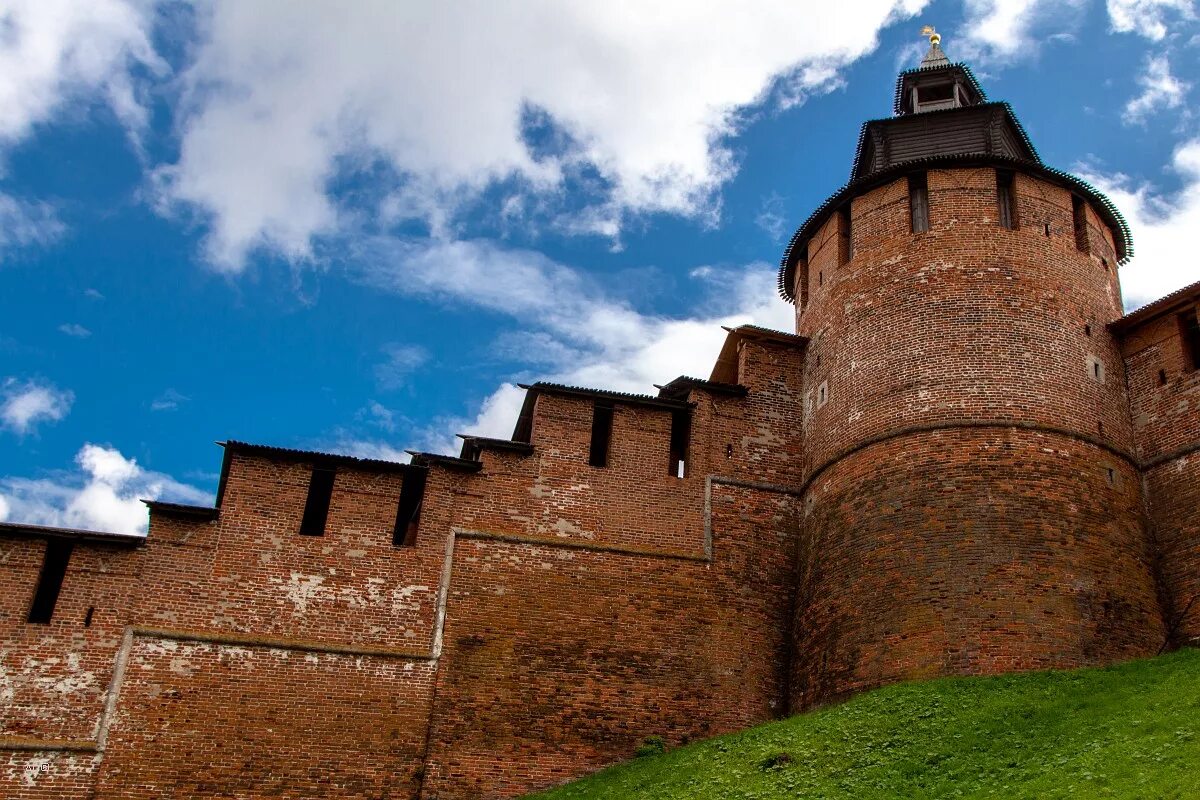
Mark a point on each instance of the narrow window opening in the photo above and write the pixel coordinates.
(1006, 198)
(1087, 330)
(681, 431)
(1104, 261)
(802, 280)
(1100, 427)
(87, 618)
(408, 512)
(1162, 377)
(602, 420)
(820, 279)
(1112, 476)
(918, 202)
(1189, 334)
(1096, 370)
(54, 569)
(729, 451)
(818, 361)
(845, 236)
(1079, 222)
(1046, 228)
(822, 394)
(316, 508)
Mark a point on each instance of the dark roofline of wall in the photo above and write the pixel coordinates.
(481, 443)
(1100, 203)
(523, 431)
(1160, 306)
(308, 456)
(22, 530)
(439, 460)
(181, 509)
(679, 388)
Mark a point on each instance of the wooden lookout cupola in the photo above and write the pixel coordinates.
(940, 110)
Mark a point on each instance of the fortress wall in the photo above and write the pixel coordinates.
(963, 434)
(561, 660)
(1165, 401)
(200, 719)
(53, 677)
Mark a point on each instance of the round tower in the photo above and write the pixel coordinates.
(970, 501)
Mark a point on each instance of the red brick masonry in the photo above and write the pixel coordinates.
(963, 463)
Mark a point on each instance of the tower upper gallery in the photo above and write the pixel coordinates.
(941, 119)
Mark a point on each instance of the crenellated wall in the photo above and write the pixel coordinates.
(542, 600)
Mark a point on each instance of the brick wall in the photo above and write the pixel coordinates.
(932, 478)
(1165, 401)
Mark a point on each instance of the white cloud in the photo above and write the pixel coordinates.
(1149, 18)
(53, 52)
(399, 361)
(1160, 90)
(26, 224)
(75, 330)
(169, 400)
(104, 493)
(282, 98)
(1164, 228)
(771, 217)
(571, 329)
(4, 509)
(1006, 30)
(28, 404)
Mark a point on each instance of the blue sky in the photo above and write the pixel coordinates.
(356, 227)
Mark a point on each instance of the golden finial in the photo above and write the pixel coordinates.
(934, 36)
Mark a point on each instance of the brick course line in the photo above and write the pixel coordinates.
(908, 430)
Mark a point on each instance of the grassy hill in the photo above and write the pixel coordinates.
(1129, 731)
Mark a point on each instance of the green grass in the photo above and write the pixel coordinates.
(1130, 731)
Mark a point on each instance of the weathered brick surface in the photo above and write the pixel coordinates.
(1164, 395)
(931, 479)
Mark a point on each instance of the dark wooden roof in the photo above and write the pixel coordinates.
(181, 509)
(986, 128)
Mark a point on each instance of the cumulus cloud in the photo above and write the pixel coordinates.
(1164, 227)
(30, 403)
(450, 99)
(55, 51)
(572, 329)
(1005, 30)
(1160, 90)
(1148, 18)
(103, 493)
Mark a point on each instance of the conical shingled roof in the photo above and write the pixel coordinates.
(935, 57)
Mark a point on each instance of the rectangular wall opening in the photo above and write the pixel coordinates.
(845, 236)
(54, 569)
(681, 433)
(408, 512)
(1079, 223)
(316, 507)
(918, 202)
(1006, 199)
(802, 280)
(602, 420)
(1189, 335)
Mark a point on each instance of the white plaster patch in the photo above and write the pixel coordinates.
(301, 590)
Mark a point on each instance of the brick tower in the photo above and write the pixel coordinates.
(969, 503)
